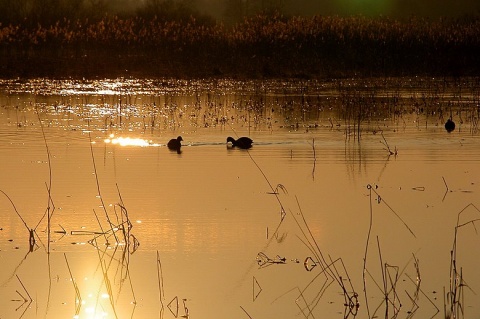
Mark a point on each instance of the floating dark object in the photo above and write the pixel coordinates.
(175, 144)
(450, 125)
(242, 142)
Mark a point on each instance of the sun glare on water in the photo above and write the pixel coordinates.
(93, 307)
(129, 141)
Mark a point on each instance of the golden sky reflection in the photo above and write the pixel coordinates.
(92, 307)
(92, 279)
(129, 141)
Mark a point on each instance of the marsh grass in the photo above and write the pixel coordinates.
(310, 296)
(331, 271)
(390, 282)
(454, 302)
(262, 46)
(355, 106)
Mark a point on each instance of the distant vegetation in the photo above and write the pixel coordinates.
(171, 39)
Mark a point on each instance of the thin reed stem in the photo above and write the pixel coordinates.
(98, 188)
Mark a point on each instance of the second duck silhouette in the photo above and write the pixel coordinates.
(242, 142)
(450, 125)
(175, 144)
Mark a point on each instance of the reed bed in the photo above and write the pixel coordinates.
(356, 106)
(261, 46)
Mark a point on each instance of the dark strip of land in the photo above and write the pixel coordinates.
(263, 46)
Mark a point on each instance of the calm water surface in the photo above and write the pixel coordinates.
(311, 220)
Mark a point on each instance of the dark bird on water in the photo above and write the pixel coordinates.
(175, 144)
(242, 142)
(450, 125)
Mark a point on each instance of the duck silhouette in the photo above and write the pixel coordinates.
(242, 142)
(175, 144)
(449, 125)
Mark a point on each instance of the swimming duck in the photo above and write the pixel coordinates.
(175, 144)
(450, 125)
(242, 142)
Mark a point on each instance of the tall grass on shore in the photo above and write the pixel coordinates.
(261, 46)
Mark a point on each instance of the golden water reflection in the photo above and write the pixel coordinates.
(146, 233)
(129, 141)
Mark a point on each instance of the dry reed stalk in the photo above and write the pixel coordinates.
(128, 236)
(108, 286)
(306, 306)
(385, 291)
(105, 278)
(454, 299)
(99, 192)
(329, 270)
(310, 306)
(102, 232)
(161, 289)
(273, 190)
(16, 211)
(26, 302)
(391, 209)
(351, 302)
(388, 287)
(417, 291)
(314, 158)
(387, 147)
(78, 296)
(312, 243)
(31, 231)
(415, 298)
(446, 189)
(246, 312)
(256, 289)
(171, 304)
(48, 213)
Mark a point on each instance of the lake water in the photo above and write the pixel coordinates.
(347, 205)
